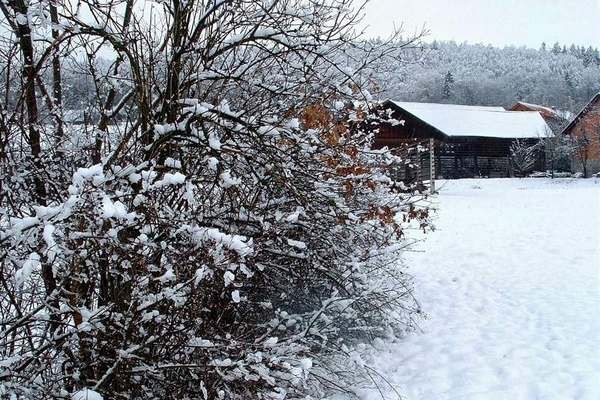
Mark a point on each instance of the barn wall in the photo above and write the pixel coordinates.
(455, 157)
(400, 134)
(589, 126)
(415, 153)
(470, 157)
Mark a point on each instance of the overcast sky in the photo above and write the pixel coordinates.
(498, 22)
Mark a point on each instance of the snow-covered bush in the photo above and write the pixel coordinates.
(523, 156)
(228, 237)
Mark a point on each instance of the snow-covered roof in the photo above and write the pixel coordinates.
(459, 120)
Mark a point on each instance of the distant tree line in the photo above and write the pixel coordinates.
(559, 76)
(474, 74)
(588, 55)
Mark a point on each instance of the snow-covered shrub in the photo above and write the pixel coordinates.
(199, 276)
(228, 240)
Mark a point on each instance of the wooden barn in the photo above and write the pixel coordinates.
(585, 129)
(465, 141)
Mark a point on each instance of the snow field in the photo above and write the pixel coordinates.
(510, 281)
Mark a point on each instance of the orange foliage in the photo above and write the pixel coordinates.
(352, 152)
(316, 116)
(330, 161)
(352, 170)
(371, 185)
(384, 214)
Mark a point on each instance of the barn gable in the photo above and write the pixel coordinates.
(555, 119)
(546, 112)
(592, 105)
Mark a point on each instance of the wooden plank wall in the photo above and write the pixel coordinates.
(455, 157)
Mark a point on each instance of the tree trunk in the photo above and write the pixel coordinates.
(57, 110)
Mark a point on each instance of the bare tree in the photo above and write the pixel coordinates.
(581, 144)
(558, 150)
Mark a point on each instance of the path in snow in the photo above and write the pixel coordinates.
(511, 283)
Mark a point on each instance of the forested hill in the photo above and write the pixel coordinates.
(558, 76)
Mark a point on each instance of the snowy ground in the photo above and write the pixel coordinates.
(511, 283)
